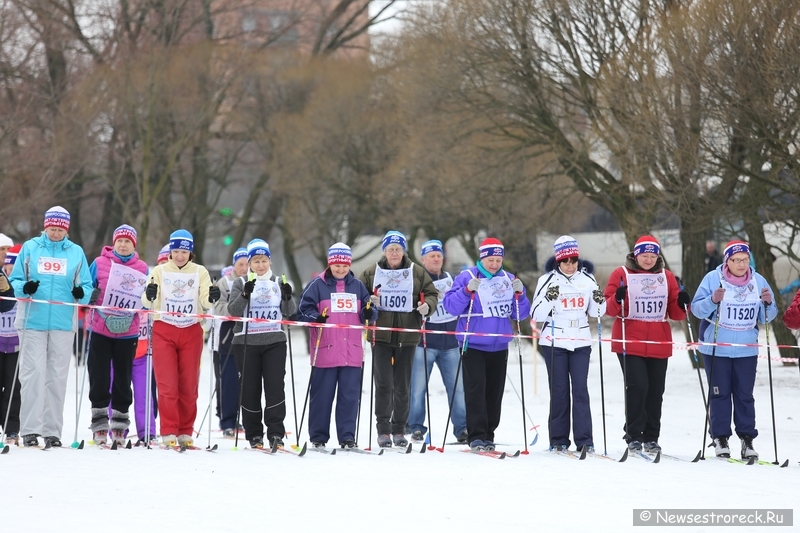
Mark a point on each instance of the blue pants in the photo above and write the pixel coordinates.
(447, 361)
(734, 379)
(569, 366)
(324, 383)
(227, 384)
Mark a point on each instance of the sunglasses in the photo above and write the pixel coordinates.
(571, 260)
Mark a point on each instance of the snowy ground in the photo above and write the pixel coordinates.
(149, 490)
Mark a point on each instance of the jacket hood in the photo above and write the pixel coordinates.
(630, 264)
(583, 265)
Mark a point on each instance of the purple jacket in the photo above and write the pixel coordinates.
(457, 301)
(103, 265)
(9, 344)
(337, 347)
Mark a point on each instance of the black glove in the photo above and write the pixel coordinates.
(684, 299)
(213, 293)
(30, 287)
(249, 287)
(367, 314)
(286, 291)
(321, 319)
(597, 296)
(95, 295)
(151, 292)
(620, 293)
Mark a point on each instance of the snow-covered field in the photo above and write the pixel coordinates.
(161, 490)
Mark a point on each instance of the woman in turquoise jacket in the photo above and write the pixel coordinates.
(49, 267)
(736, 299)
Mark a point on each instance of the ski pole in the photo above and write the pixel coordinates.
(372, 381)
(214, 393)
(710, 381)
(75, 443)
(458, 371)
(288, 334)
(602, 386)
(250, 277)
(552, 371)
(521, 379)
(16, 374)
(697, 367)
(363, 362)
(311, 375)
(211, 376)
(624, 367)
(148, 406)
(771, 396)
(427, 376)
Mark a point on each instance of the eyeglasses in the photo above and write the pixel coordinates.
(571, 260)
(394, 251)
(739, 261)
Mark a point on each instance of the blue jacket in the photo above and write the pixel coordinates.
(706, 310)
(44, 317)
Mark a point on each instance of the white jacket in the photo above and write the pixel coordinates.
(569, 314)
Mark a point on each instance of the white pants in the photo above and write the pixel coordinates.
(43, 370)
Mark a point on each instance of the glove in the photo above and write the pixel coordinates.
(597, 296)
(249, 287)
(367, 314)
(683, 299)
(151, 292)
(517, 285)
(95, 295)
(77, 293)
(423, 309)
(766, 297)
(552, 293)
(321, 319)
(375, 299)
(213, 293)
(620, 293)
(286, 291)
(473, 284)
(30, 287)
(718, 295)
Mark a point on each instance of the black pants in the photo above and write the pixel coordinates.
(105, 352)
(8, 365)
(644, 394)
(484, 382)
(392, 366)
(267, 364)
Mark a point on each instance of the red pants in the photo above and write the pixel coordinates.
(176, 363)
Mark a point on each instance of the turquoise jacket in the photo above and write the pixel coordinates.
(41, 259)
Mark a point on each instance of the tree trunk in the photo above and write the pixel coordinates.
(693, 241)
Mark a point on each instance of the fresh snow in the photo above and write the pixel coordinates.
(161, 490)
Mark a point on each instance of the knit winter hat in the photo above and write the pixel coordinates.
(5, 240)
(340, 254)
(735, 247)
(432, 246)
(647, 244)
(125, 232)
(56, 217)
(394, 237)
(163, 255)
(257, 247)
(491, 247)
(565, 247)
(239, 253)
(12, 254)
(225, 271)
(181, 240)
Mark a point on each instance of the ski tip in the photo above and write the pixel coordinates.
(114, 445)
(698, 457)
(129, 445)
(624, 456)
(80, 446)
(274, 448)
(423, 448)
(584, 451)
(785, 463)
(381, 452)
(409, 448)
(502, 455)
(658, 457)
(535, 439)
(333, 451)
(751, 461)
(5, 450)
(304, 450)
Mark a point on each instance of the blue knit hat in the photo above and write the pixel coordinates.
(432, 246)
(181, 240)
(393, 237)
(239, 253)
(257, 247)
(646, 244)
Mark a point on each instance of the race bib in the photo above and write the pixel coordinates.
(7, 328)
(265, 303)
(52, 266)
(738, 309)
(647, 296)
(496, 296)
(441, 316)
(396, 290)
(179, 296)
(144, 332)
(123, 288)
(343, 302)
